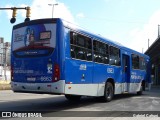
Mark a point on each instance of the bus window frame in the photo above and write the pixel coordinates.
(133, 67)
(97, 40)
(120, 59)
(80, 47)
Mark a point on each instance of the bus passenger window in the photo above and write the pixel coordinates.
(114, 58)
(89, 44)
(106, 60)
(81, 54)
(89, 55)
(142, 63)
(135, 61)
(73, 54)
(80, 41)
(73, 38)
(81, 47)
(100, 52)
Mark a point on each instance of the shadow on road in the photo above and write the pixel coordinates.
(57, 105)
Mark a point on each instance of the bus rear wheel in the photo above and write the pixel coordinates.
(73, 97)
(108, 92)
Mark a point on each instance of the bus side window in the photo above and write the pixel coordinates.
(114, 58)
(73, 53)
(89, 55)
(81, 47)
(142, 63)
(135, 61)
(73, 38)
(81, 54)
(100, 52)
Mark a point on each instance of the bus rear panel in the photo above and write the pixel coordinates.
(35, 65)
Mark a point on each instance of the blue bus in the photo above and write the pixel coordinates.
(56, 57)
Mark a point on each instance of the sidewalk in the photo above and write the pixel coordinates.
(5, 85)
(155, 88)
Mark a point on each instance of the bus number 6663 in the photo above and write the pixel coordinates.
(45, 78)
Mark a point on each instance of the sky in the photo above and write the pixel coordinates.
(129, 22)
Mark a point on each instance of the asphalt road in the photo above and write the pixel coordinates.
(59, 106)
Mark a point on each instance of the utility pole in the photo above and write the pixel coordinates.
(148, 43)
(14, 9)
(142, 50)
(158, 30)
(52, 7)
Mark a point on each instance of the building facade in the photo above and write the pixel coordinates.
(5, 57)
(154, 53)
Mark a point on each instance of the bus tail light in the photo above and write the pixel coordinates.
(56, 75)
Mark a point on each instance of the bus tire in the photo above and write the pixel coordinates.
(141, 91)
(73, 97)
(108, 92)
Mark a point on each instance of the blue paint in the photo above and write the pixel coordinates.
(34, 67)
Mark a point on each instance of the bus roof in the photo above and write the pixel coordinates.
(99, 37)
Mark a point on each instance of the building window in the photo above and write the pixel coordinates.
(114, 56)
(81, 47)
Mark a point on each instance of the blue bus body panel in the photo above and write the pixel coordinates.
(35, 63)
(32, 70)
(78, 72)
(137, 76)
(104, 72)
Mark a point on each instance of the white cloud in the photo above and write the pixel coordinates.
(80, 15)
(43, 10)
(9, 12)
(23, 12)
(139, 36)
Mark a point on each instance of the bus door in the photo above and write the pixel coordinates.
(125, 73)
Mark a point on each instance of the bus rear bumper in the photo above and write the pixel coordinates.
(50, 88)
